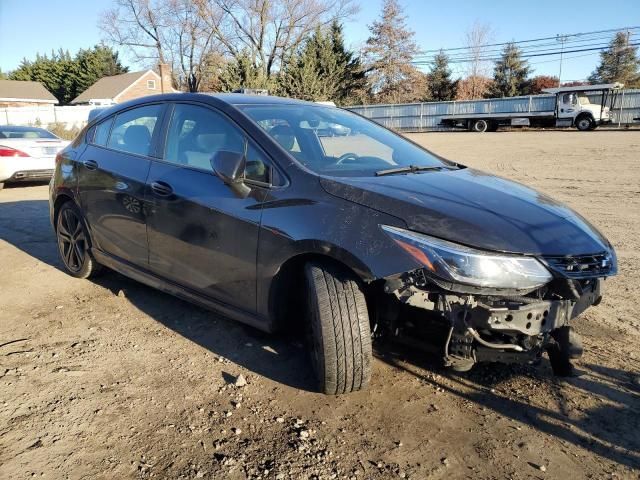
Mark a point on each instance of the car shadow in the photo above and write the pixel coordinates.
(274, 356)
(609, 429)
(25, 224)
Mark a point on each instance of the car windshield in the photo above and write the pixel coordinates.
(331, 141)
(25, 132)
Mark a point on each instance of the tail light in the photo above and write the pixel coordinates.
(12, 152)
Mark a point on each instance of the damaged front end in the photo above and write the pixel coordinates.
(487, 306)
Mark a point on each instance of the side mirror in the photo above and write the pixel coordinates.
(230, 166)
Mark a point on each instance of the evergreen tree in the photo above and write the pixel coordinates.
(241, 72)
(510, 73)
(353, 82)
(389, 52)
(323, 69)
(65, 76)
(441, 87)
(618, 63)
(95, 63)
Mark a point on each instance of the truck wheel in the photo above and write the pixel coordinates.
(340, 331)
(480, 126)
(584, 123)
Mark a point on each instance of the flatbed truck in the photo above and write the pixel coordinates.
(571, 108)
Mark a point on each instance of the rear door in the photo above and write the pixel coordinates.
(113, 171)
(201, 234)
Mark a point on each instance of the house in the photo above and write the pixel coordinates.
(127, 86)
(19, 93)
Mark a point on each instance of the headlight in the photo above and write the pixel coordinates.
(457, 263)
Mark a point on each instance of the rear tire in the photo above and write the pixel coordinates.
(74, 242)
(480, 126)
(340, 332)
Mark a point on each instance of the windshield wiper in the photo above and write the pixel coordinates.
(409, 169)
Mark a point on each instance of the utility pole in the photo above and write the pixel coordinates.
(562, 39)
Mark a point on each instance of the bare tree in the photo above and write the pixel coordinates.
(269, 31)
(476, 39)
(166, 31)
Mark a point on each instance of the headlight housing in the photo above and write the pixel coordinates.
(460, 264)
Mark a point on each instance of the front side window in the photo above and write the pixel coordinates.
(197, 133)
(133, 130)
(336, 142)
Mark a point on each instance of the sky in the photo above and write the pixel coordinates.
(31, 26)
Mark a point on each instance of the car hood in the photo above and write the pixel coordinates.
(474, 208)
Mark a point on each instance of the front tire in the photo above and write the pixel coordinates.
(340, 332)
(585, 123)
(73, 242)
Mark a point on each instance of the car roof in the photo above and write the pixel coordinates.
(245, 99)
(233, 100)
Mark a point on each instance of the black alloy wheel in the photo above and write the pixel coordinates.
(73, 242)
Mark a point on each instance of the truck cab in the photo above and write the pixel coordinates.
(574, 108)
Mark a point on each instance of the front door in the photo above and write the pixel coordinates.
(201, 234)
(567, 105)
(112, 175)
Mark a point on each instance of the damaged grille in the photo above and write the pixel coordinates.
(582, 266)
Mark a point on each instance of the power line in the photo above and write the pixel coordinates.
(533, 40)
(590, 42)
(524, 56)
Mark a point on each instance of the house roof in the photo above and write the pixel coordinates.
(110, 87)
(22, 90)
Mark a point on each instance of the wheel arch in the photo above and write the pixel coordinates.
(60, 200)
(582, 115)
(287, 289)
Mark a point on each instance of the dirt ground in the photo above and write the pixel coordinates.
(111, 379)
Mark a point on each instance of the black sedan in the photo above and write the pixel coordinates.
(240, 204)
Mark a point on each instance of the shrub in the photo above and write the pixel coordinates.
(61, 130)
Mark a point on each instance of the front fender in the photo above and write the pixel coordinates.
(330, 227)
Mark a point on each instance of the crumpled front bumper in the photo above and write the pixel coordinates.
(533, 318)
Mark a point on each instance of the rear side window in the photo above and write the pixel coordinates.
(133, 130)
(102, 132)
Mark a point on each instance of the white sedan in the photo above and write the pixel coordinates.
(27, 153)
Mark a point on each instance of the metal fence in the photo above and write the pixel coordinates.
(417, 117)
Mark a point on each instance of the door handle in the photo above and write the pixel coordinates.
(90, 164)
(161, 188)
